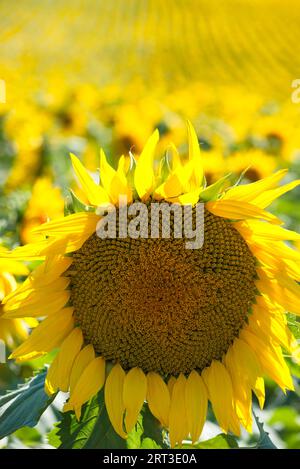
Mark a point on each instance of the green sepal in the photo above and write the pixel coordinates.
(212, 192)
(75, 205)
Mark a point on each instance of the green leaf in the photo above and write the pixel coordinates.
(147, 443)
(287, 418)
(265, 441)
(24, 406)
(152, 429)
(148, 433)
(93, 431)
(221, 441)
(53, 437)
(28, 436)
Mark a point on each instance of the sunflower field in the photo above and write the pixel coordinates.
(115, 333)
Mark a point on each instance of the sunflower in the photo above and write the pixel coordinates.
(46, 203)
(256, 163)
(12, 331)
(152, 321)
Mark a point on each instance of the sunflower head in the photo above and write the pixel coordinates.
(152, 321)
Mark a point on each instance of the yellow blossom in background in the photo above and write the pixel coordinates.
(255, 164)
(46, 203)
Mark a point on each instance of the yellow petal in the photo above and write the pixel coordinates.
(144, 174)
(244, 369)
(58, 376)
(171, 383)
(123, 166)
(12, 266)
(31, 322)
(114, 398)
(158, 398)
(271, 360)
(246, 362)
(266, 198)
(32, 251)
(77, 223)
(95, 194)
(43, 275)
(266, 325)
(173, 157)
(178, 419)
(280, 248)
(134, 395)
(88, 385)
(265, 231)
(39, 279)
(52, 246)
(114, 182)
(242, 397)
(107, 173)
(43, 305)
(236, 210)
(195, 157)
(217, 378)
(196, 404)
(172, 187)
(85, 356)
(51, 384)
(234, 424)
(190, 198)
(177, 183)
(280, 294)
(8, 285)
(274, 263)
(248, 192)
(259, 390)
(47, 336)
(29, 296)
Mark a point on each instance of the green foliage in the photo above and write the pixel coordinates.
(12, 207)
(148, 432)
(286, 422)
(94, 429)
(152, 428)
(294, 325)
(221, 441)
(28, 436)
(265, 441)
(24, 406)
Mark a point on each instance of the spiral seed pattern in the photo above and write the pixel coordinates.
(154, 304)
